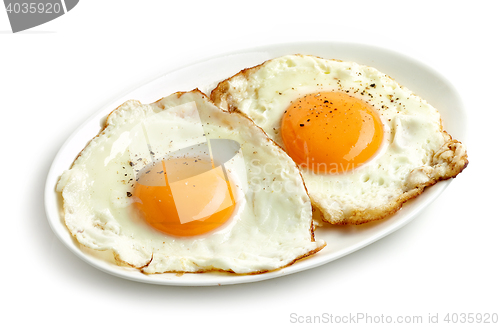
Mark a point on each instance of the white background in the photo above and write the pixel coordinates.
(54, 76)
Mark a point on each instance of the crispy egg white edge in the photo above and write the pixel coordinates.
(412, 128)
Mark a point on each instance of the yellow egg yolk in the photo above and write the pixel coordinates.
(331, 132)
(184, 197)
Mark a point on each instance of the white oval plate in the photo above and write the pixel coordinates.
(205, 75)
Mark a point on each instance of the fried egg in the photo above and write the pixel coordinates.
(182, 186)
(364, 143)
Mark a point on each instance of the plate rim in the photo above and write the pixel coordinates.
(51, 197)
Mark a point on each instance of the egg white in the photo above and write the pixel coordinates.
(271, 226)
(413, 135)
